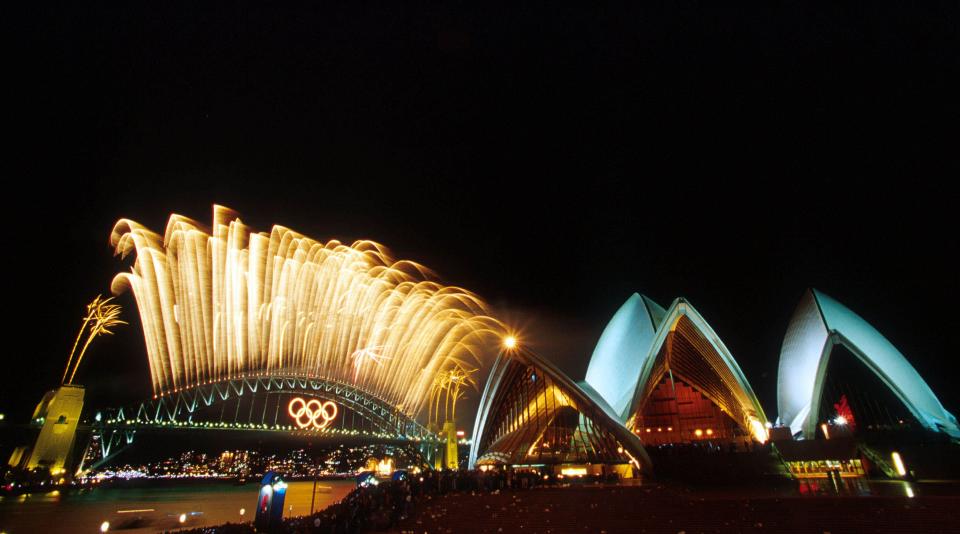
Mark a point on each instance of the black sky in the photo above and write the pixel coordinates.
(554, 160)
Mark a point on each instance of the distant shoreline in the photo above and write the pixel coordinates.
(155, 482)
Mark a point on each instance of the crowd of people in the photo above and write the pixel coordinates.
(380, 507)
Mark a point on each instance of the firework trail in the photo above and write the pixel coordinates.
(229, 302)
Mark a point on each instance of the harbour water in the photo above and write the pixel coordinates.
(152, 509)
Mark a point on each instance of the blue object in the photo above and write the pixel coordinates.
(273, 490)
(365, 479)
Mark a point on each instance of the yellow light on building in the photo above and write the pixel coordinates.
(105, 526)
(826, 433)
(698, 432)
(709, 431)
(385, 467)
(573, 471)
(760, 431)
(510, 342)
(898, 463)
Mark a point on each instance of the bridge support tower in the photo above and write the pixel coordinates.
(450, 435)
(58, 414)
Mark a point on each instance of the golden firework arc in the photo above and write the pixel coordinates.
(227, 302)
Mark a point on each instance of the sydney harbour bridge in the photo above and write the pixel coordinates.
(276, 332)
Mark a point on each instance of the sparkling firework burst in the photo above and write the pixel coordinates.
(228, 302)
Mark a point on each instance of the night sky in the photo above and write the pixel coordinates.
(554, 160)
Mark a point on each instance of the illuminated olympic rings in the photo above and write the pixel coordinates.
(307, 413)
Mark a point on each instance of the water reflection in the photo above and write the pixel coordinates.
(815, 487)
(154, 508)
(861, 487)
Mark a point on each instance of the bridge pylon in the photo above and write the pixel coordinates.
(450, 439)
(58, 415)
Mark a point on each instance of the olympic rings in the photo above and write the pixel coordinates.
(309, 413)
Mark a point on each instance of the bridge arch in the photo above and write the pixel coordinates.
(259, 404)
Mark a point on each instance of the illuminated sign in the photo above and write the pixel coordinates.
(312, 413)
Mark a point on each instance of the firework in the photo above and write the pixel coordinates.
(229, 302)
(101, 316)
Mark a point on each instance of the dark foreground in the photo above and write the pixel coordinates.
(660, 509)
(454, 502)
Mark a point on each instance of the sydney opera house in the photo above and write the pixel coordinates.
(661, 382)
(235, 316)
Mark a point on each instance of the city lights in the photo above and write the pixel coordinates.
(510, 342)
(385, 467)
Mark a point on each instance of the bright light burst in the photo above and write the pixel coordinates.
(370, 354)
(231, 303)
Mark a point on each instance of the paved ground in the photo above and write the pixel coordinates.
(657, 509)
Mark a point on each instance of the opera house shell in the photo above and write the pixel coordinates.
(678, 360)
(531, 413)
(660, 374)
(818, 325)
